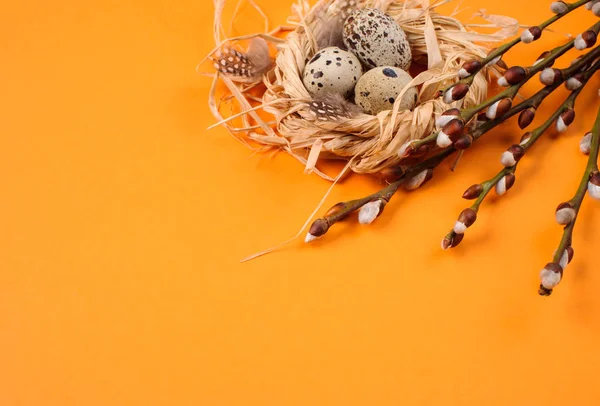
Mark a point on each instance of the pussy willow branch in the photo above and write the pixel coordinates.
(506, 175)
(533, 101)
(341, 210)
(416, 175)
(574, 204)
(509, 93)
(500, 51)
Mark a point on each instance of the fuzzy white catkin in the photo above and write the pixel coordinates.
(491, 111)
(448, 96)
(564, 260)
(547, 76)
(579, 43)
(526, 37)
(369, 212)
(565, 216)
(585, 145)
(402, 149)
(594, 191)
(416, 181)
(310, 238)
(560, 125)
(501, 186)
(460, 227)
(573, 84)
(508, 159)
(463, 73)
(559, 7)
(444, 119)
(494, 61)
(443, 140)
(589, 4)
(549, 278)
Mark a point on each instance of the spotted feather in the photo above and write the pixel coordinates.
(248, 67)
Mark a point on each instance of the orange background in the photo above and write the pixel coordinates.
(122, 223)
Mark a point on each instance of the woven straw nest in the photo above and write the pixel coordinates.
(440, 45)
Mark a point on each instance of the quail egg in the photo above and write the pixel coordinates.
(378, 89)
(332, 70)
(377, 39)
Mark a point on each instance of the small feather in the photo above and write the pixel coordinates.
(333, 105)
(258, 56)
(330, 29)
(249, 67)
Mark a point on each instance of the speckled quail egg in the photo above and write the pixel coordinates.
(332, 70)
(378, 89)
(377, 39)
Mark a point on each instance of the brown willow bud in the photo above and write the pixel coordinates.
(565, 120)
(531, 34)
(594, 185)
(335, 209)
(578, 59)
(526, 117)
(456, 92)
(566, 257)
(446, 243)
(450, 132)
(550, 76)
(466, 219)
(512, 76)
(469, 68)
(585, 145)
(421, 151)
(502, 64)
(575, 82)
(446, 117)
(505, 184)
(452, 241)
(463, 142)
(499, 108)
(570, 254)
(318, 229)
(457, 240)
(586, 39)
(512, 155)
(542, 57)
(482, 117)
(525, 138)
(551, 275)
(392, 173)
(565, 213)
(473, 192)
(559, 7)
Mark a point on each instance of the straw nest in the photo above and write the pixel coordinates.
(440, 44)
